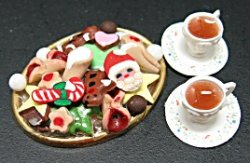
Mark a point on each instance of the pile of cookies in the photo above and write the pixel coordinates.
(94, 82)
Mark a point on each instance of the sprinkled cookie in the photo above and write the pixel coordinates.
(88, 87)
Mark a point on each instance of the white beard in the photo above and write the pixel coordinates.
(131, 83)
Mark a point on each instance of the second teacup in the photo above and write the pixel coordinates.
(204, 96)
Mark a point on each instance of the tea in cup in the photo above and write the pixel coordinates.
(204, 96)
(202, 31)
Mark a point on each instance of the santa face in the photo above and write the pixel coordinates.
(128, 79)
(123, 70)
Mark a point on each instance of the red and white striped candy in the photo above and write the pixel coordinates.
(44, 96)
(75, 89)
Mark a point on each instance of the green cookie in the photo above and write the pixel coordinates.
(82, 118)
(99, 55)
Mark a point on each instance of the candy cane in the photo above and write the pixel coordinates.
(76, 93)
(44, 96)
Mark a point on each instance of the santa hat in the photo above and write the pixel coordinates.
(117, 60)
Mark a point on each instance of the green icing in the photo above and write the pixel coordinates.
(63, 101)
(99, 55)
(82, 118)
(60, 85)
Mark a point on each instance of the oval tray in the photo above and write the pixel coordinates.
(80, 141)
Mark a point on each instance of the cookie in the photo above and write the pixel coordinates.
(77, 63)
(105, 40)
(123, 70)
(97, 85)
(115, 117)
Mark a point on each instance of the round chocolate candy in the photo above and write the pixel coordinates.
(136, 105)
(108, 27)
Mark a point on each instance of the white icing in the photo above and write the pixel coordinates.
(70, 86)
(119, 52)
(127, 46)
(155, 51)
(17, 82)
(106, 82)
(101, 68)
(35, 121)
(77, 55)
(121, 34)
(86, 37)
(42, 53)
(72, 46)
(59, 47)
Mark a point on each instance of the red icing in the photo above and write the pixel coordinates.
(58, 121)
(91, 90)
(30, 68)
(59, 55)
(118, 121)
(126, 75)
(48, 77)
(117, 99)
(134, 38)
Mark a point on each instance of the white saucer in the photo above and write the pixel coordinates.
(206, 135)
(178, 57)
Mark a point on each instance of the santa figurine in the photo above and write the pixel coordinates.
(123, 70)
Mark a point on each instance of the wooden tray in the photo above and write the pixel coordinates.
(155, 88)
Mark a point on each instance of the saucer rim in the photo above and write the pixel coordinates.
(182, 70)
(172, 128)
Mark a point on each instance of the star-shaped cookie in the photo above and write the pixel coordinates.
(41, 108)
(143, 90)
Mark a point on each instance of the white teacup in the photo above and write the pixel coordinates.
(220, 90)
(198, 46)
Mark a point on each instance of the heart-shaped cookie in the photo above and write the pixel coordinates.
(105, 40)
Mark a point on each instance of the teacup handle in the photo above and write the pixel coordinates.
(217, 13)
(230, 86)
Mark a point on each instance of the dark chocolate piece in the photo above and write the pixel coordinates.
(32, 116)
(136, 105)
(108, 26)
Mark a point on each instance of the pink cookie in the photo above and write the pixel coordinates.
(105, 40)
(60, 120)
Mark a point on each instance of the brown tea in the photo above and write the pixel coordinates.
(204, 95)
(203, 27)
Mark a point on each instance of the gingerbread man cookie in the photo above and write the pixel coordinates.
(97, 85)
